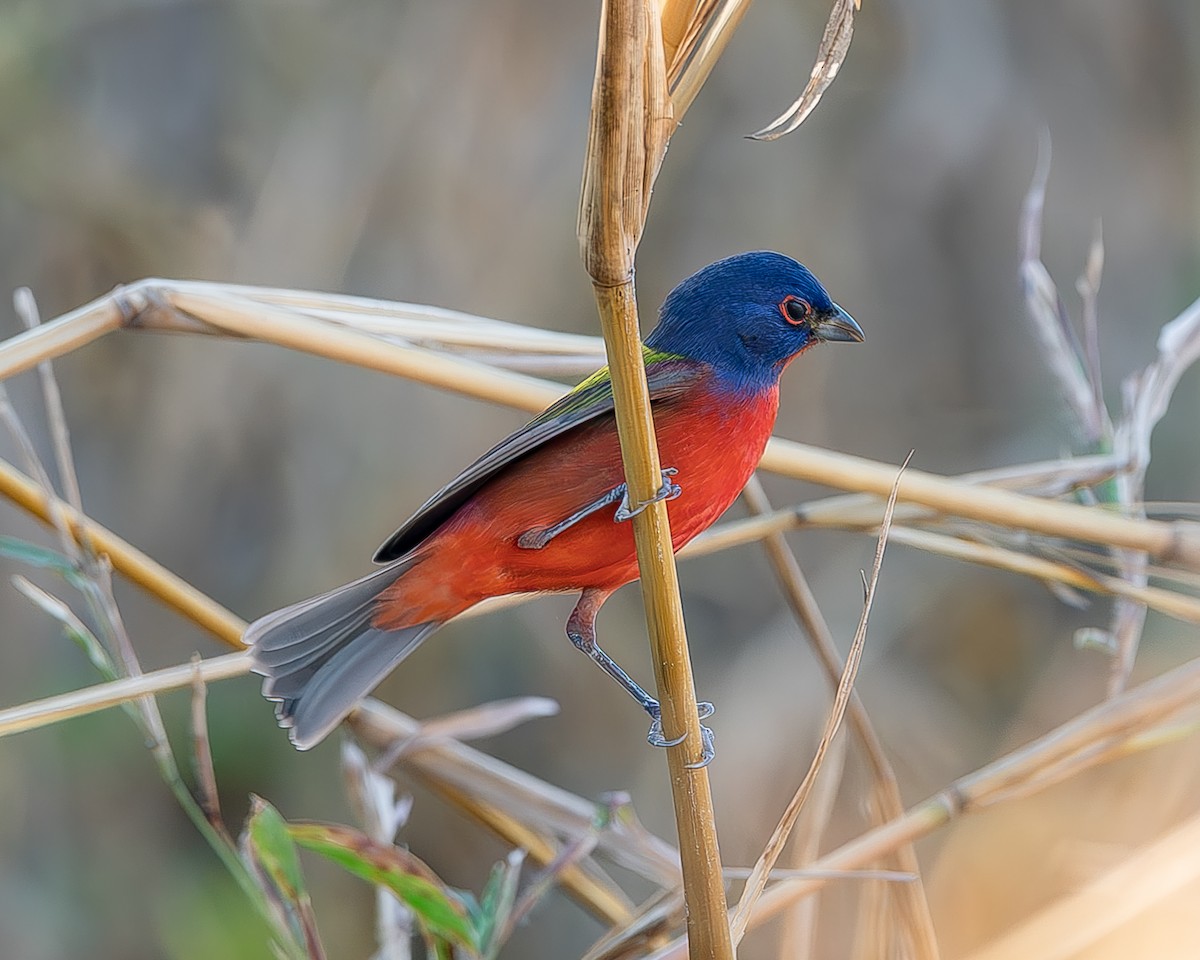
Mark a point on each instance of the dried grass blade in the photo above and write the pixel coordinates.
(889, 805)
(762, 869)
(799, 938)
(486, 720)
(835, 44)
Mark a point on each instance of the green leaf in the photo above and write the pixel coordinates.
(440, 910)
(272, 857)
(274, 849)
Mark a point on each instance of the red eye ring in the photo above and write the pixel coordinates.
(795, 310)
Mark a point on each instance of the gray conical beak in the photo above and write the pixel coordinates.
(839, 326)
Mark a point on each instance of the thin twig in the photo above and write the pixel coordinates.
(202, 762)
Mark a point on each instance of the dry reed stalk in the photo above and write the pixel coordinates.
(631, 122)
(131, 562)
(494, 783)
(77, 703)
(592, 890)
(737, 532)
(913, 903)
(1173, 541)
(1067, 927)
(1178, 541)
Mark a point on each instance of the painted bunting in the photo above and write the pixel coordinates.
(546, 510)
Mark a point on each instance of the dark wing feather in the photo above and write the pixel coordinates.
(667, 377)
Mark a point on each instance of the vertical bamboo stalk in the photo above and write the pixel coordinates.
(630, 122)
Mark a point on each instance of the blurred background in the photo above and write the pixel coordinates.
(431, 152)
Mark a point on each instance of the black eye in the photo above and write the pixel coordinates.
(795, 310)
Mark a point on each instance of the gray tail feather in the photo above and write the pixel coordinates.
(321, 656)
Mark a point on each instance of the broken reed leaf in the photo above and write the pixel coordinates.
(707, 36)
(373, 795)
(442, 912)
(835, 44)
(489, 719)
(680, 19)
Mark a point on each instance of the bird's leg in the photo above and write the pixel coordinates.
(539, 537)
(581, 629)
(668, 491)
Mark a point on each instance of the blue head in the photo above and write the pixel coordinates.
(748, 316)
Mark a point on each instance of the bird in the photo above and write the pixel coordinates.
(546, 510)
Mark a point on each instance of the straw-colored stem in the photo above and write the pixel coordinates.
(275, 325)
(631, 121)
(1174, 604)
(601, 898)
(1177, 605)
(495, 783)
(734, 533)
(761, 872)
(1173, 541)
(704, 889)
(131, 562)
(78, 703)
(62, 335)
(605, 902)
(1178, 541)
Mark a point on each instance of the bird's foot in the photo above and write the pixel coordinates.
(668, 491)
(656, 738)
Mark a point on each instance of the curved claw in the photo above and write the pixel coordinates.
(656, 738)
(668, 491)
